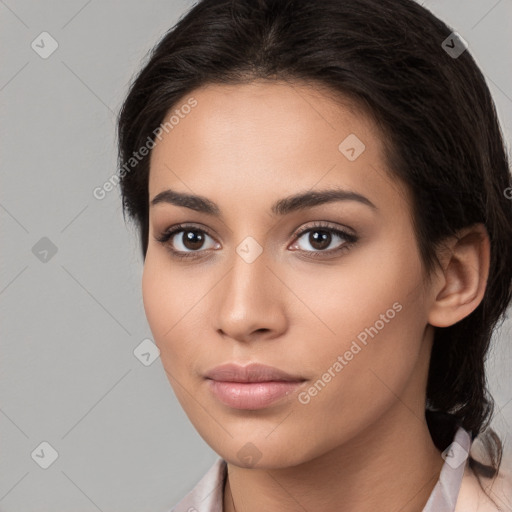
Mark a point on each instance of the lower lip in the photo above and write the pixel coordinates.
(251, 395)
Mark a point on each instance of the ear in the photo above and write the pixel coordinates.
(459, 286)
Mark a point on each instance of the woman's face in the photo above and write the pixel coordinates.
(344, 314)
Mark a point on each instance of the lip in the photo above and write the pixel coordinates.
(254, 386)
(253, 372)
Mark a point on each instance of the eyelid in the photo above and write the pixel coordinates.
(181, 227)
(328, 226)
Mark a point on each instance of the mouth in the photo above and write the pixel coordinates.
(251, 387)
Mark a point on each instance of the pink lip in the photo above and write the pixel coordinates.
(253, 372)
(254, 386)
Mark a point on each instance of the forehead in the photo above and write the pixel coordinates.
(268, 137)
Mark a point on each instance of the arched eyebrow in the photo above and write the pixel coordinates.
(284, 206)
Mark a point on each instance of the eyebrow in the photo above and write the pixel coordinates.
(284, 206)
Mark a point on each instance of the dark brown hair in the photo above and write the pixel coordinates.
(443, 141)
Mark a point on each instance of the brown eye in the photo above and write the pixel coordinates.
(184, 241)
(319, 239)
(192, 239)
(323, 239)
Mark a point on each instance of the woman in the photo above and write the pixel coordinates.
(321, 190)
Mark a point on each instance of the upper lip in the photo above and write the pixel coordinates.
(254, 372)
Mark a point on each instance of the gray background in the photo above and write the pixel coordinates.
(70, 324)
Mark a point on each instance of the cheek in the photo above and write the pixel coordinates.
(164, 295)
(376, 274)
(166, 314)
(154, 297)
(377, 320)
(162, 306)
(370, 379)
(170, 305)
(350, 299)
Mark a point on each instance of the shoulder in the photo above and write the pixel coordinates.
(475, 498)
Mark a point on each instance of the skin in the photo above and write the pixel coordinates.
(362, 443)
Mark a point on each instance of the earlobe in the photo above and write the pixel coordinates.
(460, 285)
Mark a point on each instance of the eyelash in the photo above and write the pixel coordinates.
(317, 226)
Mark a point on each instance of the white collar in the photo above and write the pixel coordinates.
(446, 491)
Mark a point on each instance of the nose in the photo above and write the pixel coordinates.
(251, 300)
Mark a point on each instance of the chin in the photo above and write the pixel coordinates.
(261, 452)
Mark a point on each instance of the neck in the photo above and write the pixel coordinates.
(392, 465)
